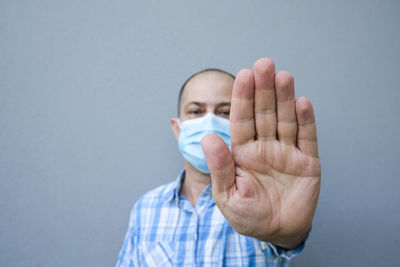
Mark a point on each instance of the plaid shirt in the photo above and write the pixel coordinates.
(166, 230)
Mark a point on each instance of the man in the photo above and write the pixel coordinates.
(264, 169)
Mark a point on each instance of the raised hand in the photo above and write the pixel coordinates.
(268, 185)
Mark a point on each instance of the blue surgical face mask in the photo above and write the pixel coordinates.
(193, 130)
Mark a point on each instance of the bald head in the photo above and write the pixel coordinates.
(212, 75)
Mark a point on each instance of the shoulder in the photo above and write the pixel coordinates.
(158, 194)
(154, 198)
(148, 208)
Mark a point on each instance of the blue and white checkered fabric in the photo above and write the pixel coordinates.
(166, 230)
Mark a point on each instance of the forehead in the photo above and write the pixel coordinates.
(209, 87)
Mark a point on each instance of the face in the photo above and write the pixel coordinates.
(204, 93)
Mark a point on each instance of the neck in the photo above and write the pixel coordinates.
(194, 183)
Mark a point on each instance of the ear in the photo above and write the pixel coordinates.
(175, 127)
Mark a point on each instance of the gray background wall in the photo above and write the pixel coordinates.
(87, 89)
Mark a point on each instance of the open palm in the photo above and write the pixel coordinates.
(268, 185)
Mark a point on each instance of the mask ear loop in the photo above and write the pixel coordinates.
(179, 123)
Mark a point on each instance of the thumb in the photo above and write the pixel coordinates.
(220, 164)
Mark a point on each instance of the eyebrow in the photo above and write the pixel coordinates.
(223, 104)
(195, 103)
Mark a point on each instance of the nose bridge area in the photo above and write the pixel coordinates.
(209, 121)
(211, 108)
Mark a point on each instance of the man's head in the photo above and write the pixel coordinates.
(207, 91)
(205, 85)
(214, 73)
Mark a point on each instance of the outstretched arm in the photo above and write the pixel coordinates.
(268, 185)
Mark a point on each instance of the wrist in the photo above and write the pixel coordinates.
(288, 242)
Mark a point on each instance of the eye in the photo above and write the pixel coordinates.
(195, 112)
(224, 113)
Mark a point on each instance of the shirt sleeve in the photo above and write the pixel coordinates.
(277, 251)
(128, 255)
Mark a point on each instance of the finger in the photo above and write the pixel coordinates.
(220, 164)
(241, 115)
(287, 123)
(264, 97)
(307, 130)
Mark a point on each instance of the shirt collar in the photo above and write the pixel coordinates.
(173, 191)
